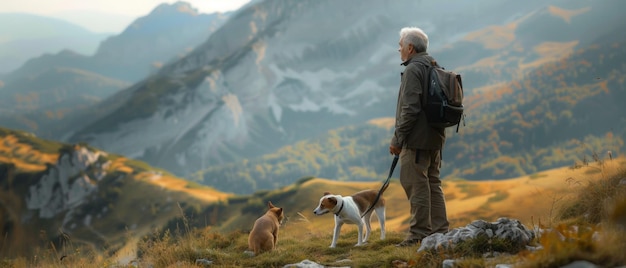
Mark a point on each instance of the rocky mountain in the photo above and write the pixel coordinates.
(53, 193)
(25, 36)
(282, 71)
(167, 32)
(69, 81)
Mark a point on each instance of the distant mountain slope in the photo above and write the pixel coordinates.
(97, 20)
(167, 32)
(50, 102)
(278, 72)
(560, 113)
(25, 36)
(563, 113)
(353, 153)
(512, 49)
(52, 193)
(240, 96)
(57, 87)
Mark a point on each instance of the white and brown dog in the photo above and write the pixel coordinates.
(348, 209)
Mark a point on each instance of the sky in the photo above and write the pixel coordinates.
(107, 16)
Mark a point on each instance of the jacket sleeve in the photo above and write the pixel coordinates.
(410, 103)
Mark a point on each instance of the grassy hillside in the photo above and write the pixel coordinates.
(131, 198)
(527, 198)
(557, 199)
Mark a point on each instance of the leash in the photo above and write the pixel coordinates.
(384, 186)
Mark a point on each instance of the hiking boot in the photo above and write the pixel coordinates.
(408, 242)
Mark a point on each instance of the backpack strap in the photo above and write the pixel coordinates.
(433, 63)
(429, 62)
(458, 77)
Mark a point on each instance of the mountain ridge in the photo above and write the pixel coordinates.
(19, 44)
(267, 79)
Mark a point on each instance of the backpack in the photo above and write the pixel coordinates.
(443, 102)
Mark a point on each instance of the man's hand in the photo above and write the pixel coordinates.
(395, 150)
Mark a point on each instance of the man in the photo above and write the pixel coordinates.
(418, 144)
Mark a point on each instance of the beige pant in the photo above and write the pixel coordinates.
(422, 186)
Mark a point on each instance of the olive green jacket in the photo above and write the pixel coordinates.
(412, 130)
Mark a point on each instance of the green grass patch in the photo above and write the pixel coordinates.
(499, 196)
(537, 176)
(470, 190)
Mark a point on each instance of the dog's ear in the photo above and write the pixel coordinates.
(270, 205)
(332, 200)
(326, 193)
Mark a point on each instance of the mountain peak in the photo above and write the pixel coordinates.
(178, 7)
(166, 15)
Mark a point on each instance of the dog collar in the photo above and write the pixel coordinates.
(340, 208)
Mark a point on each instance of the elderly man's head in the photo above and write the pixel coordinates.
(412, 40)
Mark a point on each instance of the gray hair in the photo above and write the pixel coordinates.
(416, 37)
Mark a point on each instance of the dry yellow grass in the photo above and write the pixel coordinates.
(566, 14)
(527, 198)
(538, 192)
(549, 52)
(23, 156)
(502, 40)
(383, 122)
(178, 185)
(555, 49)
(545, 52)
(169, 182)
(119, 164)
(494, 37)
(497, 37)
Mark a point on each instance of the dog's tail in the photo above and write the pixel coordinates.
(383, 187)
